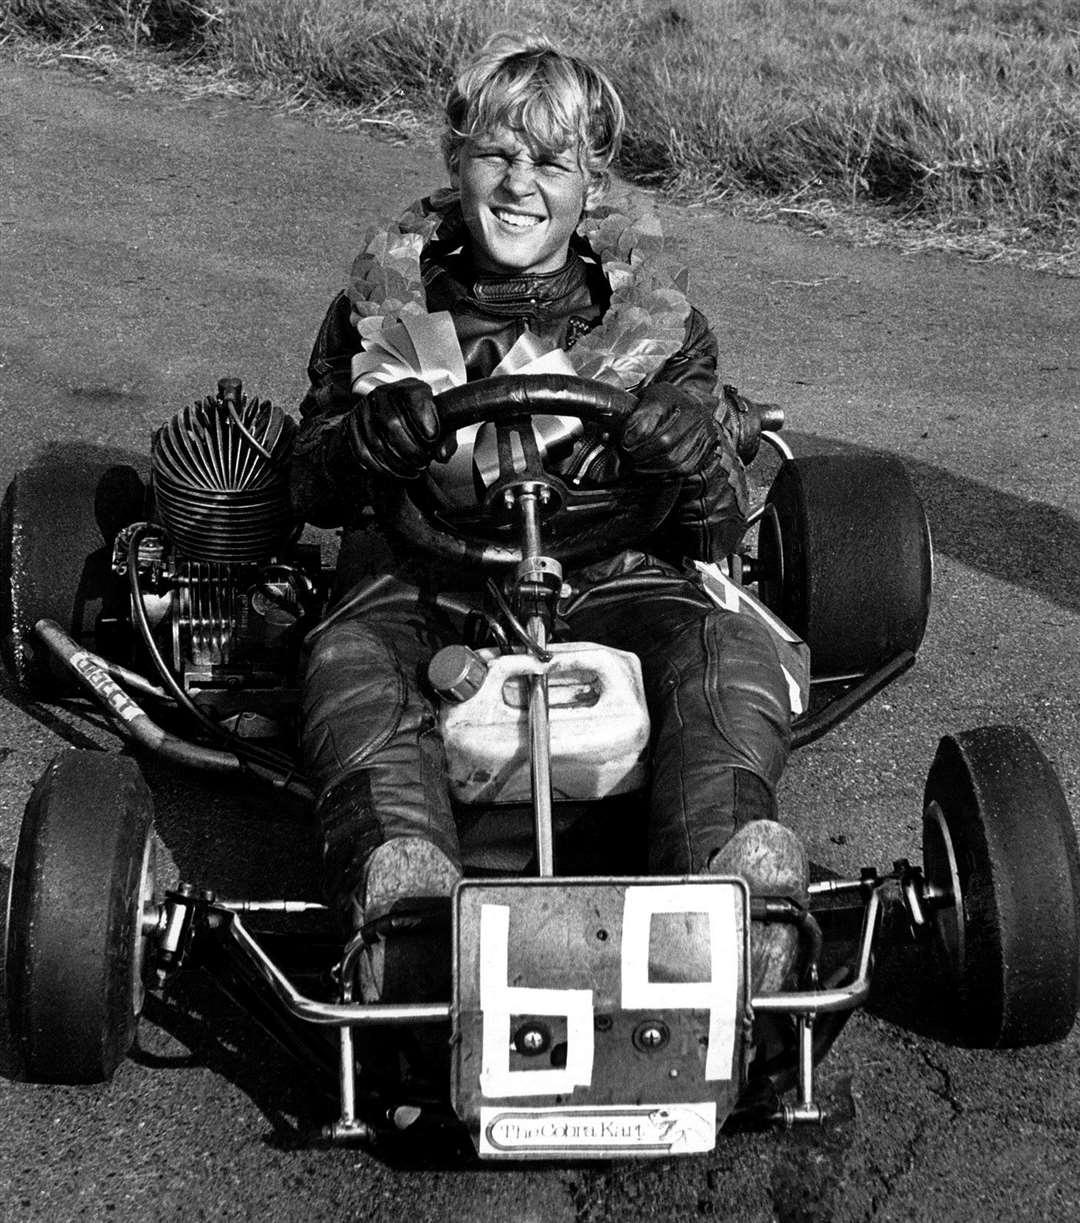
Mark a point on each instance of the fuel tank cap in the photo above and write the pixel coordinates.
(457, 672)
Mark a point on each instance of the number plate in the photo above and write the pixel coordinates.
(599, 1018)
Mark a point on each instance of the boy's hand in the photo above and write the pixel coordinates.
(669, 433)
(394, 430)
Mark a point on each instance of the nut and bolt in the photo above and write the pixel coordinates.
(531, 1039)
(650, 1035)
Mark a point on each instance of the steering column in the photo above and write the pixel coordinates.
(536, 584)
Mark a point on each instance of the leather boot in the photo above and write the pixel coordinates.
(772, 860)
(403, 908)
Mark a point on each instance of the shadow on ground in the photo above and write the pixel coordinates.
(1022, 542)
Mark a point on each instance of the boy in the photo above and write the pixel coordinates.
(531, 132)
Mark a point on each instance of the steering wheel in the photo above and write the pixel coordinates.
(586, 523)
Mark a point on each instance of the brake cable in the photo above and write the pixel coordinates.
(520, 631)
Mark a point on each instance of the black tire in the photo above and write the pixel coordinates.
(58, 522)
(845, 559)
(1003, 877)
(83, 876)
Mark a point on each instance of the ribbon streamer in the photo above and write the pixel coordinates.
(793, 651)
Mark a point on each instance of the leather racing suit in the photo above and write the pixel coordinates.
(717, 698)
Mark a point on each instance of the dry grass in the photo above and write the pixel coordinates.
(942, 124)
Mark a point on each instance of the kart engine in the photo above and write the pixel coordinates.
(223, 588)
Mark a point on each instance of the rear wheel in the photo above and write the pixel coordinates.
(82, 893)
(845, 559)
(1003, 882)
(58, 522)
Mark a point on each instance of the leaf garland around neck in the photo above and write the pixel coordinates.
(643, 327)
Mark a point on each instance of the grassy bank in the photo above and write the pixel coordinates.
(948, 123)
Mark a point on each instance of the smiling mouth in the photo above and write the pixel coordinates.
(516, 220)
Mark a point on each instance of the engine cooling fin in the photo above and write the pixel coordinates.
(219, 471)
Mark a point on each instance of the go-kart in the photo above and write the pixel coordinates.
(592, 1014)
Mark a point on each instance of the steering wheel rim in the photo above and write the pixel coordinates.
(644, 502)
(515, 395)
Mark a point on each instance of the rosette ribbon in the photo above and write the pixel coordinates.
(414, 346)
(425, 346)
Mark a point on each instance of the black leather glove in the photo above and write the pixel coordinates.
(670, 432)
(394, 430)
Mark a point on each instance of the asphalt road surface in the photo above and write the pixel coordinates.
(151, 245)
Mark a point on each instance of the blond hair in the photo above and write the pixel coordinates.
(554, 100)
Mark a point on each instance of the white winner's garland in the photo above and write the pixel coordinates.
(644, 326)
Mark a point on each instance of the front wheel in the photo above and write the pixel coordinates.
(1003, 885)
(82, 901)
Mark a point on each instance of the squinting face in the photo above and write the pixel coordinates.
(521, 205)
